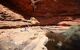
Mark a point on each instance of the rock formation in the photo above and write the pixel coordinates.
(45, 10)
(21, 25)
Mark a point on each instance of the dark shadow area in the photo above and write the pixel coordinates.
(15, 8)
(73, 45)
(51, 45)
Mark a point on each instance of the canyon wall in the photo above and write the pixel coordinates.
(45, 10)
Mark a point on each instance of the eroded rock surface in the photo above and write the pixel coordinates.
(30, 38)
(45, 10)
(50, 7)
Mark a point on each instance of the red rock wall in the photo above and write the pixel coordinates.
(23, 7)
(58, 7)
(47, 7)
(45, 10)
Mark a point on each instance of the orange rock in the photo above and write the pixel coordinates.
(44, 10)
